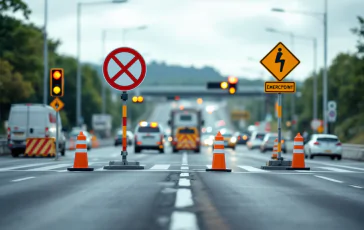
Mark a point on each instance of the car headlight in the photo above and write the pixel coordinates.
(233, 139)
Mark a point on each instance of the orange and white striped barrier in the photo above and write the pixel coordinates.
(81, 158)
(218, 160)
(298, 159)
(40, 147)
(275, 149)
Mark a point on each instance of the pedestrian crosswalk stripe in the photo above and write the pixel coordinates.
(335, 169)
(22, 166)
(159, 167)
(251, 169)
(49, 167)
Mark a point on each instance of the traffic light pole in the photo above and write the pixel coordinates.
(57, 137)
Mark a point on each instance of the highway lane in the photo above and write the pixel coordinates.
(174, 190)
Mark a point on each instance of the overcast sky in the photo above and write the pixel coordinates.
(229, 35)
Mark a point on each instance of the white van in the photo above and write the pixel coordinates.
(32, 120)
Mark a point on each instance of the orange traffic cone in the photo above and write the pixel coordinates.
(81, 159)
(298, 159)
(218, 160)
(275, 149)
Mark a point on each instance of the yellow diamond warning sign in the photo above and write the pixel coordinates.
(279, 87)
(280, 61)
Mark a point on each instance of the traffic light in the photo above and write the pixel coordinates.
(137, 99)
(56, 82)
(224, 85)
(233, 84)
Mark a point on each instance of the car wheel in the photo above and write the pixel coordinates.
(14, 153)
(197, 150)
(339, 157)
(63, 151)
(161, 151)
(137, 150)
(332, 157)
(174, 150)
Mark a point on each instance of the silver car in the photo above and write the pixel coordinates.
(268, 143)
(73, 135)
(323, 145)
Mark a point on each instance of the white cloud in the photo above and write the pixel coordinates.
(219, 33)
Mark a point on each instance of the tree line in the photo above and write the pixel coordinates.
(21, 71)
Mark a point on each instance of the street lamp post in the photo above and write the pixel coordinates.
(45, 54)
(103, 52)
(78, 98)
(325, 83)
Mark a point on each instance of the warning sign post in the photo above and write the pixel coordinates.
(124, 69)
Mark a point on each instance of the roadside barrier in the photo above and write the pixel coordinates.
(275, 149)
(45, 147)
(81, 158)
(298, 159)
(72, 144)
(218, 160)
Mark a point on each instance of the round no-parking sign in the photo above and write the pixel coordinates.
(124, 69)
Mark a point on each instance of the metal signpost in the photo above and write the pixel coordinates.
(124, 77)
(280, 62)
(57, 91)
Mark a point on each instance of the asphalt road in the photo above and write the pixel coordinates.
(175, 192)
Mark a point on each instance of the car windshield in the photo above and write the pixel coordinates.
(272, 138)
(327, 139)
(186, 131)
(148, 129)
(260, 136)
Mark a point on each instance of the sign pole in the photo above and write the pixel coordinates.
(124, 152)
(279, 126)
(57, 141)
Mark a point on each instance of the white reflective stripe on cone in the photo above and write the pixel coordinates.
(81, 150)
(298, 143)
(219, 151)
(298, 151)
(219, 142)
(81, 142)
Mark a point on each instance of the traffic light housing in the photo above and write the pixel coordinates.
(233, 84)
(56, 82)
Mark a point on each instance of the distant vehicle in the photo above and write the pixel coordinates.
(229, 140)
(119, 136)
(268, 143)
(323, 145)
(102, 125)
(207, 140)
(74, 133)
(148, 136)
(185, 117)
(255, 140)
(187, 138)
(242, 138)
(32, 121)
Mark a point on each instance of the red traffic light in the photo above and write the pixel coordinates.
(176, 98)
(233, 80)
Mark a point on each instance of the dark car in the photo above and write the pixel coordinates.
(242, 138)
(118, 138)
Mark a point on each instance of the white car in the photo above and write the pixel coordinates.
(148, 136)
(32, 121)
(323, 145)
(255, 140)
(73, 135)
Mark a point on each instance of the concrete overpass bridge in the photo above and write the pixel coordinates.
(196, 91)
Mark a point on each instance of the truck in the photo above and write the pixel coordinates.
(102, 125)
(185, 118)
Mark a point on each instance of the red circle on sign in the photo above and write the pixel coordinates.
(124, 69)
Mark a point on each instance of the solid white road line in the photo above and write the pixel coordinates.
(183, 182)
(355, 186)
(49, 167)
(335, 169)
(184, 175)
(23, 166)
(183, 198)
(159, 167)
(184, 168)
(341, 166)
(208, 166)
(183, 221)
(251, 169)
(329, 179)
(21, 179)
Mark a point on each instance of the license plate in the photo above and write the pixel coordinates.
(18, 134)
(148, 137)
(328, 151)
